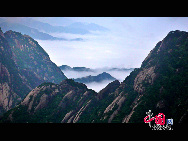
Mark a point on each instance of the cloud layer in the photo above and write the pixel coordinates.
(127, 43)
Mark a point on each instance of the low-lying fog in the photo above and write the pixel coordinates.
(97, 86)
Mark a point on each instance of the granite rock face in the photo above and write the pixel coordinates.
(30, 56)
(12, 85)
(23, 66)
(65, 101)
(159, 85)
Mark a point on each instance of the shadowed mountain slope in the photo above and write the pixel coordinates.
(159, 85)
(23, 66)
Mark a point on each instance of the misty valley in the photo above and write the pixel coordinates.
(94, 70)
(100, 81)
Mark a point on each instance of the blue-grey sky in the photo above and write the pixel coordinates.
(126, 44)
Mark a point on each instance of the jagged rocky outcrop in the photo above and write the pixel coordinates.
(23, 66)
(51, 102)
(159, 85)
(31, 57)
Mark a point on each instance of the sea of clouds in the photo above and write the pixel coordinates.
(97, 86)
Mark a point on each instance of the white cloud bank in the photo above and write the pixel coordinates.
(127, 43)
(97, 86)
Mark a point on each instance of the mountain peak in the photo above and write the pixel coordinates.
(72, 83)
(175, 34)
(105, 75)
(88, 26)
(29, 55)
(99, 78)
(11, 32)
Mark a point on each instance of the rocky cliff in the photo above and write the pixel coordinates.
(159, 85)
(23, 66)
(12, 85)
(51, 102)
(31, 57)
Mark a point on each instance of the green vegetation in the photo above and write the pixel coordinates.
(167, 93)
(171, 84)
(46, 84)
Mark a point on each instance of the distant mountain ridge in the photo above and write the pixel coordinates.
(34, 33)
(99, 78)
(74, 28)
(68, 68)
(41, 30)
(89, 27)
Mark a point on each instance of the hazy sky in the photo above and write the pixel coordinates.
(126, 44)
